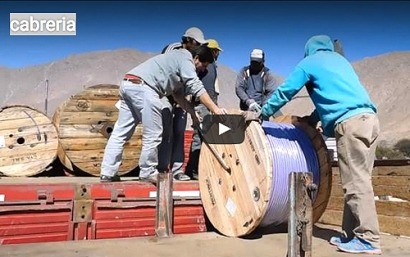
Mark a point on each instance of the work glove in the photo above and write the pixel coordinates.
(255, 107)
(251, 116)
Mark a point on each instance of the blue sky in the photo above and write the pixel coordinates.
(281, 29)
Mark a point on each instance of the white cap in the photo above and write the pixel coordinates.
(257, 55)
(196, 34)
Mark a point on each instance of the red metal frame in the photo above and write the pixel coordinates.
(35, 213)
(127, 210)
(47, 212)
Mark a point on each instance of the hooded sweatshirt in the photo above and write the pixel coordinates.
(331, 82)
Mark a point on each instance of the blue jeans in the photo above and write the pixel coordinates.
(172, 152)
(139, 103)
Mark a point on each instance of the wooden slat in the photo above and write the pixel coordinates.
(392, 170)
(27, 130)
(78, 144)
(93, 168)
(403, 170)
(25, 169)
(386, 208)
(23, 123)
(395, 191)
(98, 92)
(388, 224)
(21, 112)
(86, 131)
(391, 181)
(96, 105)
(391, 163)
(88, 117)
(396, 186)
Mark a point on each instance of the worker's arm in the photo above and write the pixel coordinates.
(206, 100)
(284, 93)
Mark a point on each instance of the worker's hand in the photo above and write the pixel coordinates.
(255, 107)
(220, 111)
(251, 116)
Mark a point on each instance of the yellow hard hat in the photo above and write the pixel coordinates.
(212, 43)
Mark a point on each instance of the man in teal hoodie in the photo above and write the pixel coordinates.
(346, 112)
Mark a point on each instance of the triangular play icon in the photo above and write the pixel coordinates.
(223, 129)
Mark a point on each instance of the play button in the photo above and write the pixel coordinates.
(223, 129)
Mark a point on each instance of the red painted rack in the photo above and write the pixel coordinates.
(46, 212)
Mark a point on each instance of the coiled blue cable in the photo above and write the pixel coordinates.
(292, 151)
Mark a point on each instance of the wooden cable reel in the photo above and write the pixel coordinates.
(28, 141)
(84, 123)
(236, 201)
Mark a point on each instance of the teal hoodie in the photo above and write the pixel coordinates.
(331, 82)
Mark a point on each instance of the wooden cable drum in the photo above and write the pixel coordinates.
(84, 123)
(249, 187)
(28, 141)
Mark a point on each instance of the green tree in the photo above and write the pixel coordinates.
(403, 146)
(385, 152)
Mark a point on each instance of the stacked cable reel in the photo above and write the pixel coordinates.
(253, 192)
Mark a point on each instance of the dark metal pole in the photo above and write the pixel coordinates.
(46, 100)
(292, 223)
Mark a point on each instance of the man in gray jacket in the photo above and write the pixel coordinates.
(255, 83)
(141, 92)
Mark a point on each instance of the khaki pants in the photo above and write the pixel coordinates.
(356, 146)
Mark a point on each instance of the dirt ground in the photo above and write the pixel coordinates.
(199, 245)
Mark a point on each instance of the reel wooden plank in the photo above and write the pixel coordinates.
(84, 123)
(28, 141)
(236, 202)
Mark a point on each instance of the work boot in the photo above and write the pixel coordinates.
(181, 177)
(153, 179)
(105, 179)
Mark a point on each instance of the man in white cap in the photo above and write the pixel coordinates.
(255, 83)
(178, 116)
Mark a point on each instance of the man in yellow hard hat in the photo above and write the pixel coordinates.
(209, 78)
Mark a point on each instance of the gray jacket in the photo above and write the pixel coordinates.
(170, 72)
(258, 87)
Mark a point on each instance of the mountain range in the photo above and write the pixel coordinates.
(386, 77)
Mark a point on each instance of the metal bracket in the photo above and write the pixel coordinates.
(82, 210)
(45, 197)
(117, 195)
